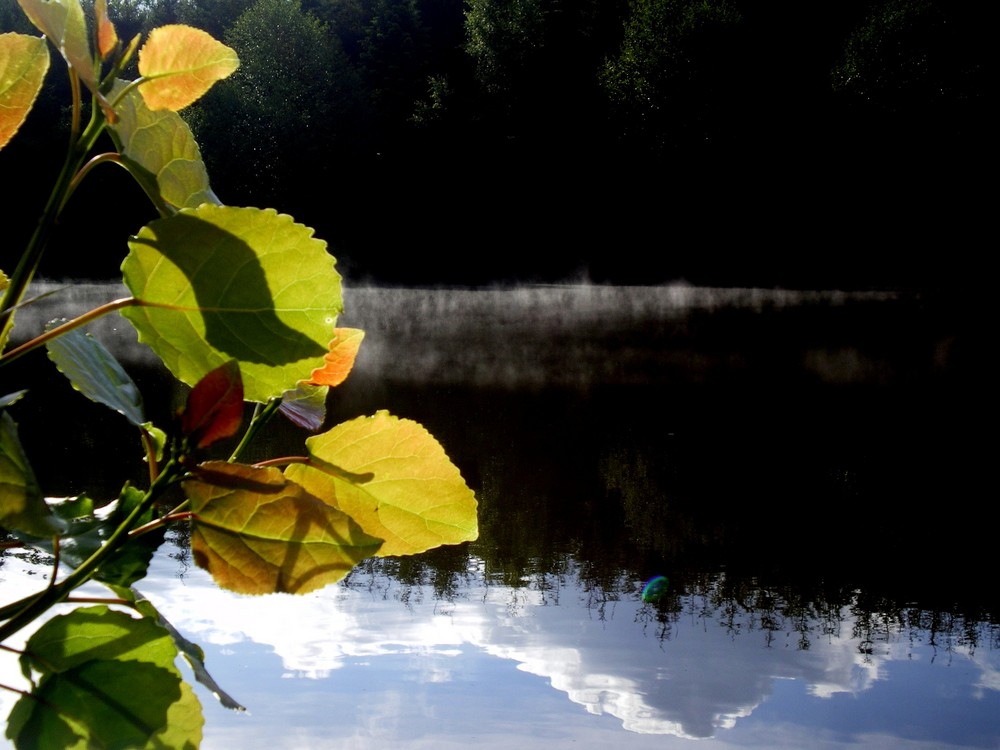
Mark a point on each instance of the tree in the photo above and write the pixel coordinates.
(503, 37)
(294, 85)
(912, 57)
(672, 70)
(394, 58)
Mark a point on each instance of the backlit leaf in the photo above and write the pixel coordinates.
(181, 63)
(162, 153)
(97, 633)
(22, 507)
(416, 499)
(279, 540)
(24, 61)
(108, 680)
(63, 22)
(220, 283)
(340, 359)
(95, 372)
(214, 409)
(87, 532)
(12, 398)
(107, 37)
(192, 652)
(305, 406)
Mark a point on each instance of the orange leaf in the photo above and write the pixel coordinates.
(340, 359)
(180, 64)
(107, 37)
(23, 63)
(258, 533)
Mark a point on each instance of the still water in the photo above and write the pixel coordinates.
(800, 467)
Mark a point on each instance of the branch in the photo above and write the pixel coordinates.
(87, 317)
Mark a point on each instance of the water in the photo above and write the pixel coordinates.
(799, 465)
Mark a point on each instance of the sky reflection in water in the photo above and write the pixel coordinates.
(377, 663)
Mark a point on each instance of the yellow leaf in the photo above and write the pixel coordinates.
(180, 63)
(340, 359)
(24, 61)
(258, 533)
(393, 478)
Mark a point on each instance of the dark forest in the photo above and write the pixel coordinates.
(482, 142)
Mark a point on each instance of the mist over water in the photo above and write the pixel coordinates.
(581, 334)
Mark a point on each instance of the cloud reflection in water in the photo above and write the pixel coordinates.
(379, 661)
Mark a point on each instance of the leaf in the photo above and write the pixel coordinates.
(181, 63)
(94, 372)
(417, 498)
(96, 634)
(157, 438)
(340, 359)
(305, 406)
(218, 283)
(214, 408)
(86, 532)
(161, 152)
(107, 36)
(63, 22)
(279, 540)
(108, 680)
(12, 398)
(191, 651)
(24, 60)
(22, 507)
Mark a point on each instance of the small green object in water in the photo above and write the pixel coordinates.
(655, 588)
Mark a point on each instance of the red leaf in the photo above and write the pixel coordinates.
(214, 408)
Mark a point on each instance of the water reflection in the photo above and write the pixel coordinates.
(800, 468)
(381, 659)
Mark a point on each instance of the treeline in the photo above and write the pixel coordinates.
(467, 141)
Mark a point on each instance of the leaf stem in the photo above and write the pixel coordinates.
(109, 156)
(32, 255)
(260, 418)
(283, 461)
(69, 325)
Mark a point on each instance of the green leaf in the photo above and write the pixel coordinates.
(158, 438)
(162, 153)
(191, 651)
(24, 60)
(63, 22)
(218, 283)
(108, 680)
(95, 372)
(257, 533)
(22, 507)
(416, 499)
(86, 533)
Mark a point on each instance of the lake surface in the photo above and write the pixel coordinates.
(799, 465)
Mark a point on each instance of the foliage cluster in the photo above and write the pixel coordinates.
(241, 306)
